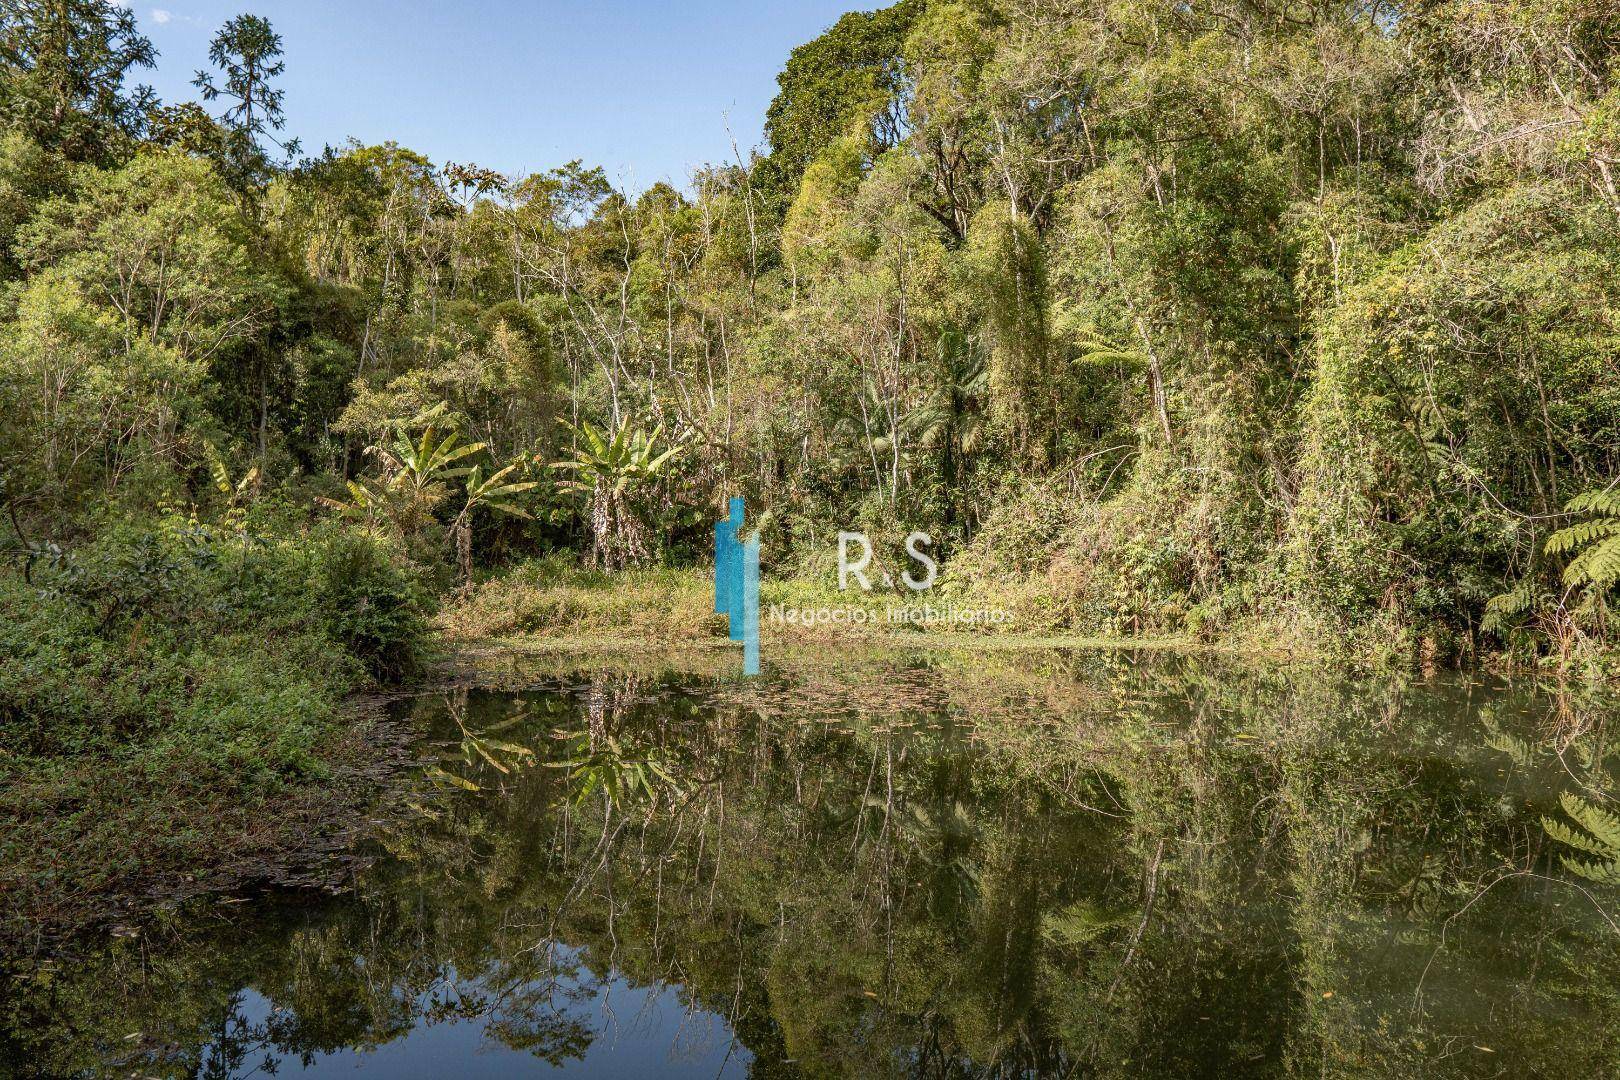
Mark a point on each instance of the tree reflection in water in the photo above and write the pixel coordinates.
(1055, 864)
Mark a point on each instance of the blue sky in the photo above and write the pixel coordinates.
(645, 90)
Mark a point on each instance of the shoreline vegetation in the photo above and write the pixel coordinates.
(541, 608)
(552, 605)
(184, 711)
(1283, 331)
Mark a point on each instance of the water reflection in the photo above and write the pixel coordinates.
(575, 1019)
(1015, 864)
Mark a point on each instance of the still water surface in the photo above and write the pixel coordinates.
(942, 865)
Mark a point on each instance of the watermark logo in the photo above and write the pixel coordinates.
(855, 559)
(736, 582)
(857, 570)
(736, 588)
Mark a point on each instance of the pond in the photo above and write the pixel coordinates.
(940, 864)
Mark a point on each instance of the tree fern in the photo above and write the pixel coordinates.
(1596, 541)
(1501, 611)
(1596, 502)
(1593, 546)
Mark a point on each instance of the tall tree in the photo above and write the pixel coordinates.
(852, 71)
(62, 69)
(246, 52)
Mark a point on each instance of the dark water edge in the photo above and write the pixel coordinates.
(888, 864)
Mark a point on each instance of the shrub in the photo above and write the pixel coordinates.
(172, 705)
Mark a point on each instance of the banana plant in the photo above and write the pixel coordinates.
(425, 461)
(365, 504)
(628, 456)
(505, 758)
(608, 471)
(235, 491)
(494, 492)
(414, 481)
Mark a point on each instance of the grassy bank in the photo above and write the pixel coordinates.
(179, 713)
(552, 604)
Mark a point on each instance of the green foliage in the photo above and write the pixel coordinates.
(28, 176)
(1080, 924)
(625, 775)
(415, 472)
(478, 746)
(850, 73)
(1595, 542)
(1598, 837)
(63, 71)
(1006, 260)
(629, 456)
(611, 471)
(1458, 391)
(1160, 319)
(1572, 618)
(247, 52)
(369, 604)
(493, 492)
(415, 482)
(178, 682)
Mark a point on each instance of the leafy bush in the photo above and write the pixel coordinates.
(173, 704)
(131, 635)
(368, 605)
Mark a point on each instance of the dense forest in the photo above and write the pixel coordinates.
(1183, 316)
(1228, 318)
(1261, 326)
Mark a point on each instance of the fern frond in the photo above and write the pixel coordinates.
(1601, 823)
(1078, 924)
(1603, 873)
(1595, 502)
(1516, 601)
(1518, 749)
(1580, 534)
(1602, 562)
(1577, 840)
(1106, 356)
